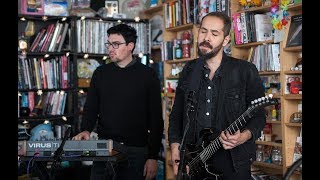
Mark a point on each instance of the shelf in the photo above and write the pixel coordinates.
(84, 82)
(44, 117)
(180, 28)
(175, 61)
(156, 47)
(293, 72)
(90, 55)
(153, 9)
(261, 9)
(261, 73)
(293, 96)
(173, 77)
(45, 54)
(274, 95)
(170, 95)
(293, 49)
(294, 124)
(269, 143)
(45, 90)
(252, 44)
(295, 7)
(269, 165)
(273, 122)
(264, 9)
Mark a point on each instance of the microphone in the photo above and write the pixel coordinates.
(196, 75)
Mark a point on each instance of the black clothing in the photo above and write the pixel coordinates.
(127, 102)
(235, 84)
(127, 169)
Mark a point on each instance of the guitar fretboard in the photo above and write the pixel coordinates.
(215, 145)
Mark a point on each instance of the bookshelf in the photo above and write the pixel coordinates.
(74, 49)
(285, 130)
(46, 74)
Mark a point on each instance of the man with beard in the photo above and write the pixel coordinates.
(212, 92)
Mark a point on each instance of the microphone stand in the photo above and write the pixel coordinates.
(58, 154)
(182, 171)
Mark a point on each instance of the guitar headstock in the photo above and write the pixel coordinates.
(264, 101)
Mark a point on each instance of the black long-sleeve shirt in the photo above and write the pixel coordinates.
(127, 102)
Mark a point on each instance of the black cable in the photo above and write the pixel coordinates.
(58, 154)
(291, 169)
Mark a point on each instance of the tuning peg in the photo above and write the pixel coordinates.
(259, 99)
(263, 98)
(270, 95)
(255, 101)
(252, 102)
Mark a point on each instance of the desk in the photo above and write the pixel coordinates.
(41, 167)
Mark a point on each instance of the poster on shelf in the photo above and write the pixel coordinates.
(295, 31)
(32, 7)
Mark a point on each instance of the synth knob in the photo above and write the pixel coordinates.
(263, 98)
(270, 95)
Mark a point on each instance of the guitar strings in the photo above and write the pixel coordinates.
(213, 147)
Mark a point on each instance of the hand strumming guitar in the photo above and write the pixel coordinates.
(229, 141)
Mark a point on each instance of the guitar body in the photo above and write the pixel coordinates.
(199, 156)
(200, 170)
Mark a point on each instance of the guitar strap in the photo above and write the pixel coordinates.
(193, 88)
(221, 93)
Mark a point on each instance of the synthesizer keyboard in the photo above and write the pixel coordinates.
(70, 148)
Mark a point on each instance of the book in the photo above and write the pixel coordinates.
(263, 27)
(295, 31)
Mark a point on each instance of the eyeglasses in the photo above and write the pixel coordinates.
(115, 45)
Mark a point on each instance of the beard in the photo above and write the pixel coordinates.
(210, 54)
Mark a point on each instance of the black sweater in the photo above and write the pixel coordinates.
(127, 102)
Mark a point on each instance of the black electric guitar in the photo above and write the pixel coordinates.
(197, 155)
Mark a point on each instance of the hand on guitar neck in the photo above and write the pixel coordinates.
(230, 141)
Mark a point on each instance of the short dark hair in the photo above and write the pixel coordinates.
(224, 17)
(129, 33)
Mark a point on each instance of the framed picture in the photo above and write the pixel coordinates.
(33, 7)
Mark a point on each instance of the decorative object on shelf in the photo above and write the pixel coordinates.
(156, 30)
(86, 67)
(30, 29)
(23, 43)
(33, 7)
(112, 7)
(250, 3)
(186, 44)
(276, 156)
(132, 7)
(278, 22)
(42, 132)
(296, 117)
(293, 84)
(298, 65)
(297, 154)
(56, 8)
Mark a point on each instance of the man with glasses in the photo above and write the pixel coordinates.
(124, 99)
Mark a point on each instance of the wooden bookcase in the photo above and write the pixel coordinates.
(284, 130)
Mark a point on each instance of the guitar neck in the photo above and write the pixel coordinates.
(215, 145)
